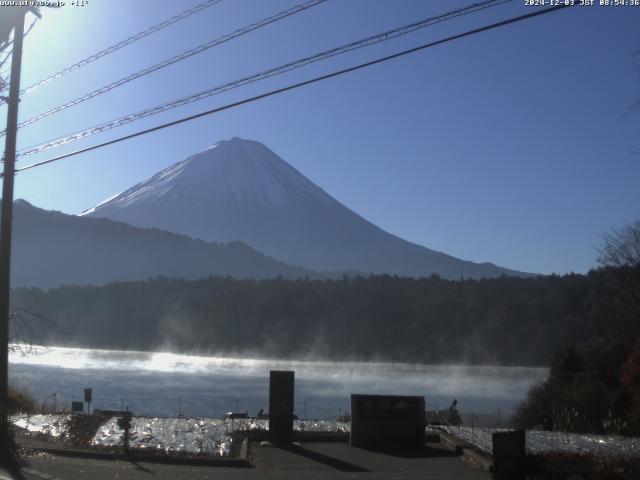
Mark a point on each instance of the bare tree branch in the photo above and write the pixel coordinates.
(28, 330)
(621, 249)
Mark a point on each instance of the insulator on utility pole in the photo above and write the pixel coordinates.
(10, 17)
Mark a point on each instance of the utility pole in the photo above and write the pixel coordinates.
(5, 226)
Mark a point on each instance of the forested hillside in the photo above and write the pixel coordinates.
(504, 320)
(52, 249)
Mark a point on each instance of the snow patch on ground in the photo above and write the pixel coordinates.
(199, 436)
(52, 425)
(544, 442)
(194, 436)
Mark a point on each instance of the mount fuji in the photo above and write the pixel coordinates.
(239, 190)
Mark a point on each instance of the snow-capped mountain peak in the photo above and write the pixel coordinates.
(239, 171)
(241, 190)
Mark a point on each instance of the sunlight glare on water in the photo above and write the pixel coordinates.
(205, 380)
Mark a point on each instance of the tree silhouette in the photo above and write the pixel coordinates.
(621, 249)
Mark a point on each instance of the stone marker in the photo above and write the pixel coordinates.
(509, 454)
(387, 422)
(281, 406)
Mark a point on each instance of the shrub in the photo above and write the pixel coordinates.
(583, 394)
(20, 402)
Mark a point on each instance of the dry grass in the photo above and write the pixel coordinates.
(20, 402)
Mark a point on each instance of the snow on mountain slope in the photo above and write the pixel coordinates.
(235, 171)
(240, 190)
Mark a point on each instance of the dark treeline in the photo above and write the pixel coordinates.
(505, 320)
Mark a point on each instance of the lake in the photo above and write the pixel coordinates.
(165, 384)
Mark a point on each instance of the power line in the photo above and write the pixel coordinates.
(302, 84)
(371, 40)
(3, 61)
(6, 44)
(122, 44)
(177, 58)
(31, 27)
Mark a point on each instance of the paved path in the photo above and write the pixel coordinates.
(312, 460)
(339, 460)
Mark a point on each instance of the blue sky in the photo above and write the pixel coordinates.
(512, 146)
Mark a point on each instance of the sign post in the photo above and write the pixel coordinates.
(87, 398)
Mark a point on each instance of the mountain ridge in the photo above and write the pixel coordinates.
(52, 249)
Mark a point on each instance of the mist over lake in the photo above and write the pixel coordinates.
(156, 383)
